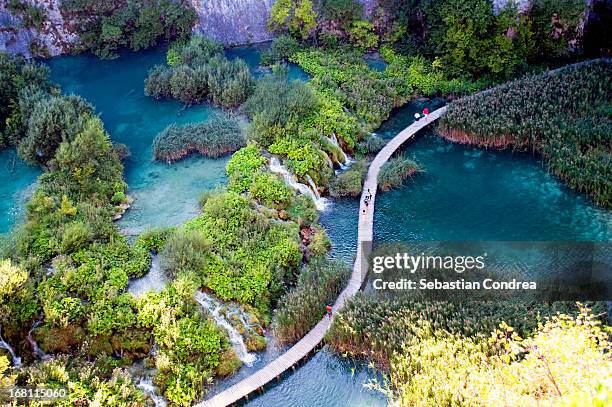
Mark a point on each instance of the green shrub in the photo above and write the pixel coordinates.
(251, 258)
(270, 190)
(349, 182)
(76, 235)
(303, 210)
(243, 166)
(184, 250)
(200, 72)
(105, 27)
(395, 171)
(219, 136)
(298, 311)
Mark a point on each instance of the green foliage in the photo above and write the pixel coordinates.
(199, 72)
(218, 136)
(184, 250)
(342, 12)
(298, 311)
(362, 35)
(558, 114)
(565, 360)
(395, 171)
(350, 182)
(189, 343)
(106, 27)
(86, 382)
(251, 257)
(294, 16)
(270, 190)
(282, 48)
(279, 102)
(303, 210)
(376, 328)
(53, 120)
(243, 166)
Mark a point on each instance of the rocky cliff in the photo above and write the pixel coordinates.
(233, 21)
(51, 38)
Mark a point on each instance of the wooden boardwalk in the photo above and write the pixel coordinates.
(313, 338)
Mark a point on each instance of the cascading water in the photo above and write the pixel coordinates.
(214, 307)
(278, 168)
(35, 349)
(154, 280)
(146, 385)
(313, 186)
(347, 159)
(9, 348)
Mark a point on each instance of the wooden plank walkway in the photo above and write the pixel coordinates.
(313, 338)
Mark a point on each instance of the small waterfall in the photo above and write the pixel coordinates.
(214, 307)
(347, 159)
(313, 186)
(146, 385)
(278, 168)
(35, 349)
(154, 280)
(9, 348)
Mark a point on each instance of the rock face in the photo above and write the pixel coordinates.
(233, 21)
(52, 39)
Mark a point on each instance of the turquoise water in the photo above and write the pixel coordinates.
(467, 193)
(164, 194)
(17, 182)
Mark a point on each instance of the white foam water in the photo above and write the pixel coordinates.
(214, 307)
(154, 280)
(5, 345)
(278, 168)
(146, 385)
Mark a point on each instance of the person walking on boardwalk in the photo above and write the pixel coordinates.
(329, 311)
(426, 112)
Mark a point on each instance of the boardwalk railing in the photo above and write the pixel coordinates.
(314, 337)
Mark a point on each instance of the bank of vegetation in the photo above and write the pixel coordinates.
(220, 135)
(394, 172)
(564, 115)
(441, 353)
(197, 71)
(104, 28)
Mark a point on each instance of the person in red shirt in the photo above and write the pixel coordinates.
(426, 112)
(329, 311)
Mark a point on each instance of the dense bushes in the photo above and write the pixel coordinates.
(21, 86)
(319, 285)
(251, 257)
(189, 342)
(561, 114)
(105, 27)
(395, 171)
(349, 182)
(88, 383)
(216, 137)
(198, 72)
(375, 328)
(566, 361)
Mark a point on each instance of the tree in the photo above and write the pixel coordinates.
(344, 12)
(53, 121)
(295, 16)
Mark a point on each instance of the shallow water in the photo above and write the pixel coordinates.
(17, 182)
(164, 194)
(468, 193)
